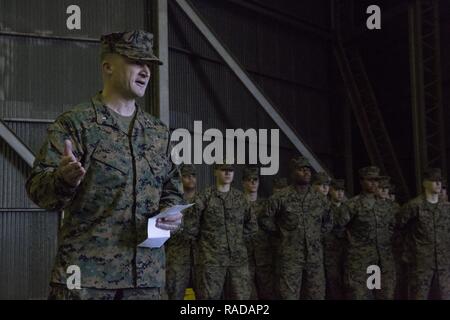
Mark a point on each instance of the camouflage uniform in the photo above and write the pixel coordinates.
(400, 267)
(129, 178)
(260, 249)
(220, 223)
(369, 223)
(278, 184)
(427, 241)
(179, 255)
(299, 218)
(334, 253)
(263, 254)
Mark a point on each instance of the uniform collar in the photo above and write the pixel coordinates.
(105, 118)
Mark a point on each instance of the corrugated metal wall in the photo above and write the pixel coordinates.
(42, 76)
(289, 64)
(43, 72)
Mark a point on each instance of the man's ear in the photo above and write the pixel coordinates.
(107, 67)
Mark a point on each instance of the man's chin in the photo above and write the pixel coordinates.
(139, 93)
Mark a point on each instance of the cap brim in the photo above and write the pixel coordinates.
(152, 59)
(372, 177)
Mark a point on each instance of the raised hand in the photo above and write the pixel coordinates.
(70, 169)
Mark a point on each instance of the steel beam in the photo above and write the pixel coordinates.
(251, 86)
(163, 54)
(16, 144)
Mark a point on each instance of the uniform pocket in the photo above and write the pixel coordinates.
(289, 218)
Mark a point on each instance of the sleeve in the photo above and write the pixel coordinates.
(404, 215)
(327, 217)
(44, 186)
(404, 218)
(191, 225)
(250, 223)
(344, 214)
(267, 219)
(172, 190)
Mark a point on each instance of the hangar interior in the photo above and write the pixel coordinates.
(347, 95)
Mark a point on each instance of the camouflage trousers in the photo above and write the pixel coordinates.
(178, 278)
(265, 282)
(61, 292)
(301, 281)
(215, 282)
(334, 255)
(429, 284)
(252, 274)
(355, 282)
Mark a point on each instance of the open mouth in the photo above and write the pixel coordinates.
(140, 83)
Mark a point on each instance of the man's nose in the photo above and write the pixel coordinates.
(145, 72)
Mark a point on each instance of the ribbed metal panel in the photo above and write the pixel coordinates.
(56, 76)
(314, 12)
(14, 169)
(40, 78)
(28, 247)
(49, 16)
(290, 66)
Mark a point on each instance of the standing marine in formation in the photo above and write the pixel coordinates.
(299, 216)
(369, 224)
(179, 249)
(261, 245)
(335, 243)
(426, 222)
(220, 223)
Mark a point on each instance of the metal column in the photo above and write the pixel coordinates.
(363, 100)
(426, 87)
(160, 84)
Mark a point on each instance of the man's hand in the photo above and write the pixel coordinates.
(171, 222)
(70, 169)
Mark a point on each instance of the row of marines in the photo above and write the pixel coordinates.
(308, 241)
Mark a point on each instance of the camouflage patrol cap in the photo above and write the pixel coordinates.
(250, 172)
(136, 45)
(321, 178)
(338, 184)
(385, 182)
(370, 172)
(223, 166)
(279, 183)
(299, 162)
(432, 174)
(187, 169)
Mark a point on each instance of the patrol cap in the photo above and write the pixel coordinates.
(338, 184)
(432, 174)
(371, 172)
(187, 169)
(385, 182)
(299, 162)
(279, 183)
(250, 172)
(223, 166)
(321, 178)
(136, 45)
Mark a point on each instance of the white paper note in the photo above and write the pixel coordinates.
(173, 210)
(156, 237)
